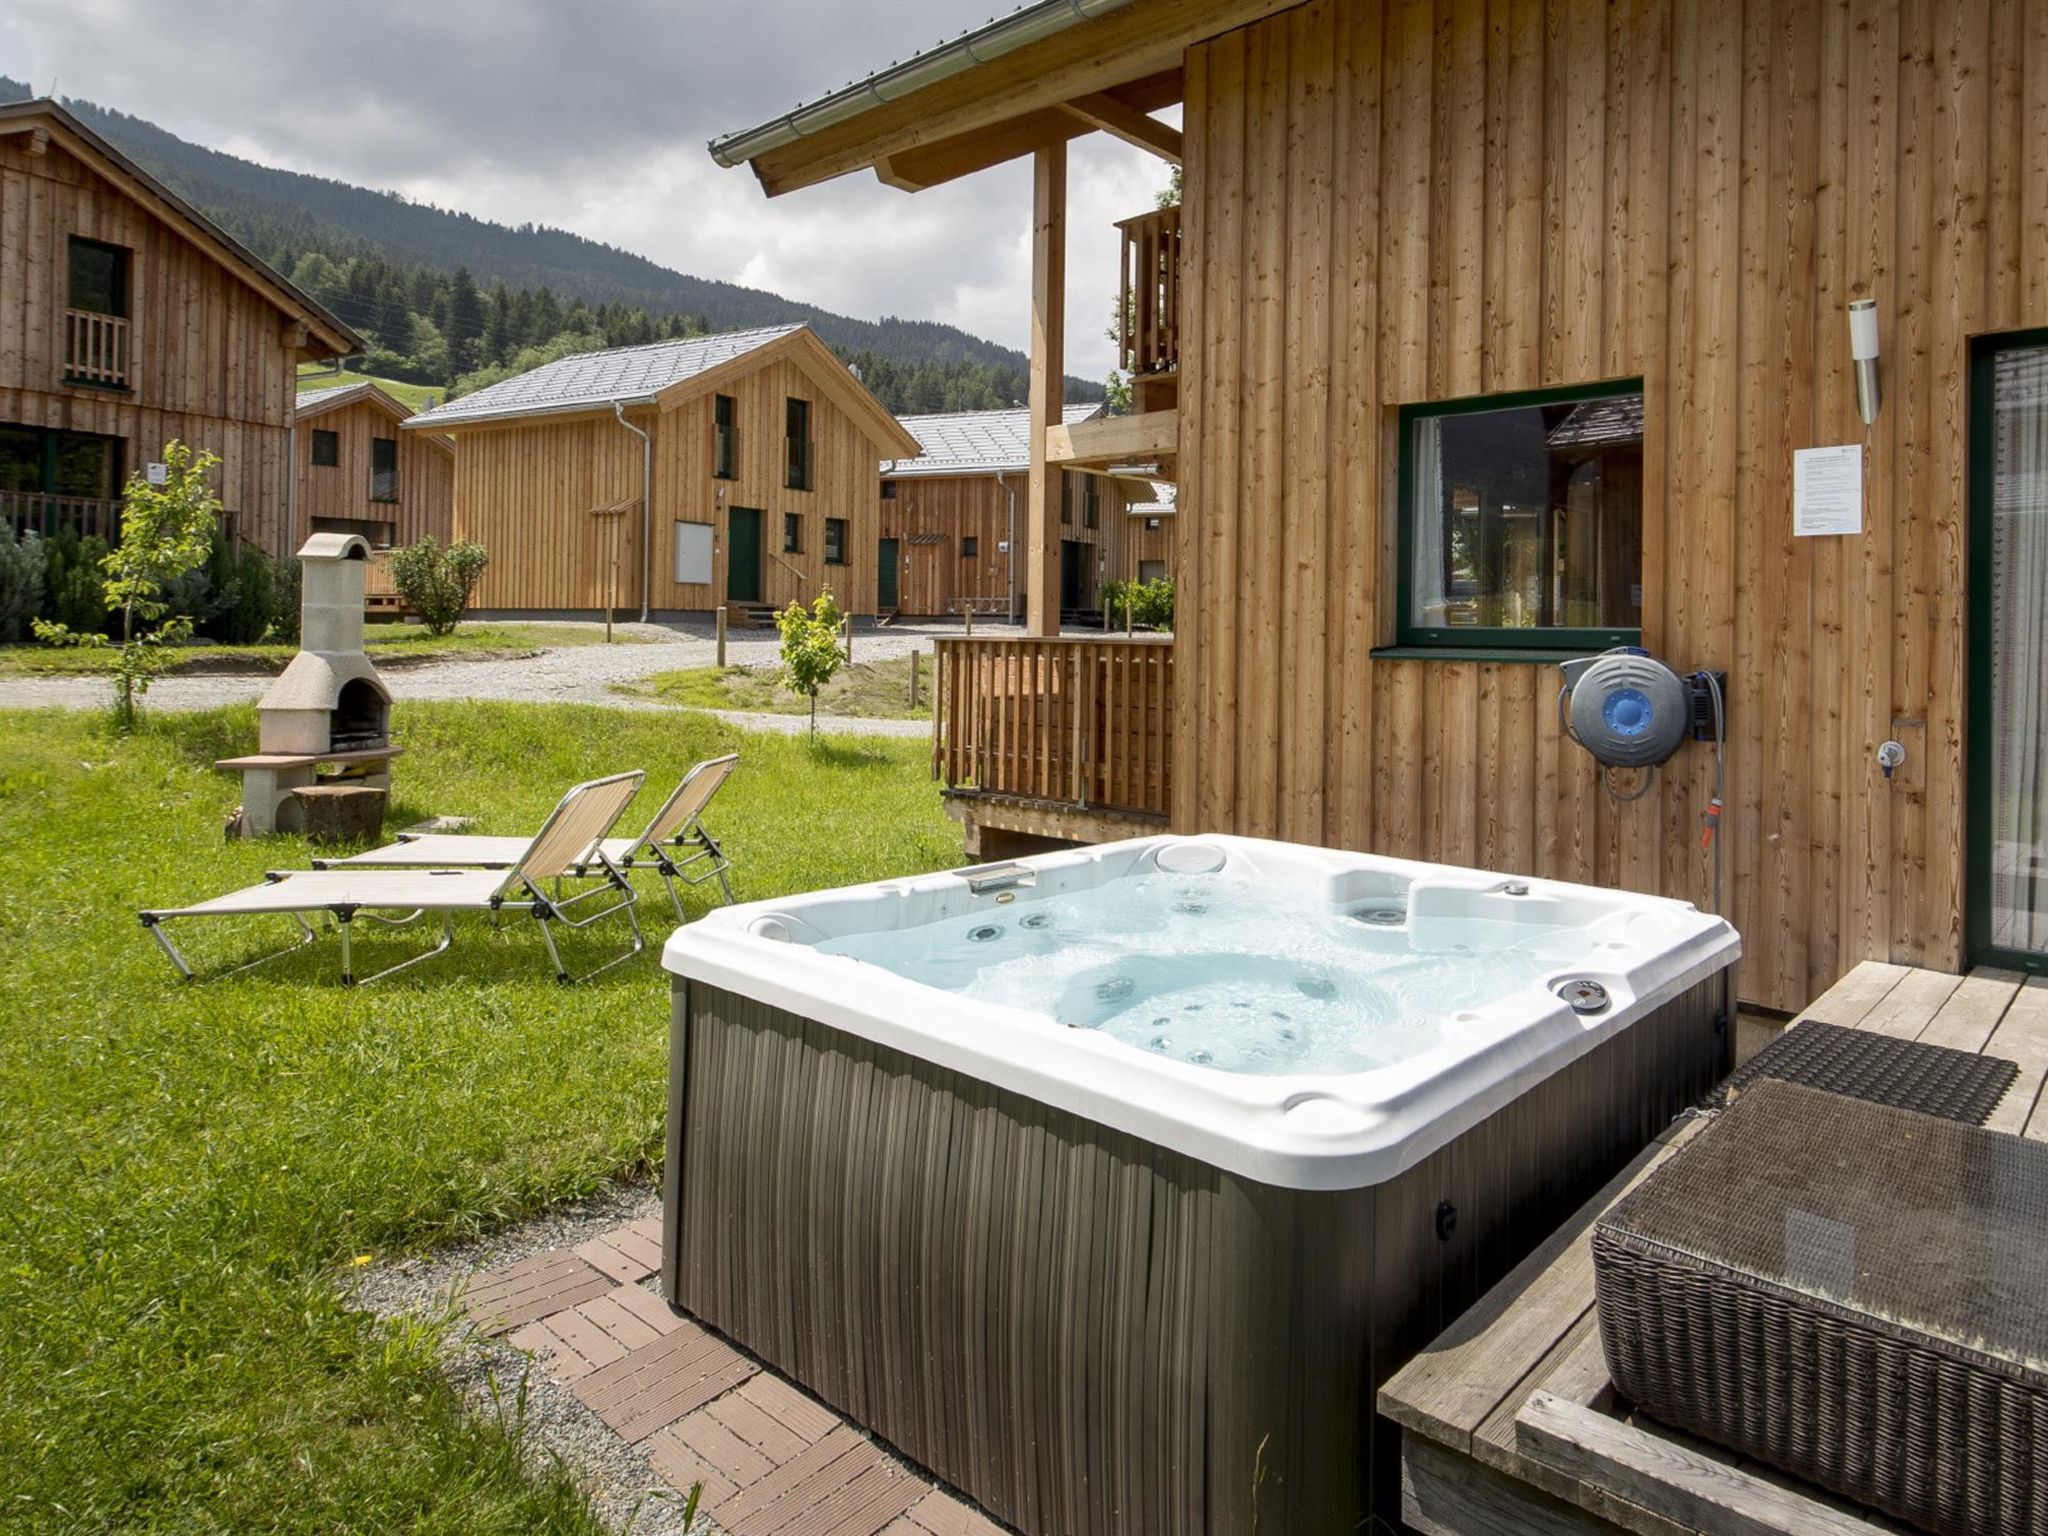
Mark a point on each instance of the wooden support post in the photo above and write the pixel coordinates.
(846, 637)
(970, 623)
(1048, 379)
(721, 637)
(913, 679)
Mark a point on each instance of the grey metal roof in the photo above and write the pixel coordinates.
(976, 442)
(632, 375)
(1165, 497)
(341, 394)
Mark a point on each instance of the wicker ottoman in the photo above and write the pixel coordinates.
(1854, 1293)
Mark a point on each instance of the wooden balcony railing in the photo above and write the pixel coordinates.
(95, 348)
(1083, 721)
(25, 511)
(1150, 291)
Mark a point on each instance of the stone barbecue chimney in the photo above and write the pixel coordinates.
(330, 698)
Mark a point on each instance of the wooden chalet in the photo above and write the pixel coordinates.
(1487, 336)
(356, 472)
(736, 470)
(129, 319)
(951, 520)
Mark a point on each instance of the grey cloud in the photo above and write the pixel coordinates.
(593, 117)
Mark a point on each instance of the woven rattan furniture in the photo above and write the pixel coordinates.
(1854, 1293)
(1907, 1074)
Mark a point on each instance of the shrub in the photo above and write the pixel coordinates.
(74, 581)
(284, 602)
(435, 583)
(21, 582)
(244, 599)
(1150, 602)
(811, 653)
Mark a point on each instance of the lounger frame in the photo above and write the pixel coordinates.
(677, 826)
(567, 845)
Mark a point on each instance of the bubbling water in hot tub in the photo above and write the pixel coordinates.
(1238, 975)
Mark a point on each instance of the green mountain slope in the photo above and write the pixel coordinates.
(285, 215)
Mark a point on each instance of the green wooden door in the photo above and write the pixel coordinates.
(1073, 575)
(888, 565)
(2007, 741)
(743, 556)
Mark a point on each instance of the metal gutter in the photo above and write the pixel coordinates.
(1022, 27)
(646, 508)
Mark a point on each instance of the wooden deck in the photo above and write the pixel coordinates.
(772, 1460)
(1509, 1422)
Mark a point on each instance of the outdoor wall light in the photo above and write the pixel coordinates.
(1863, 350)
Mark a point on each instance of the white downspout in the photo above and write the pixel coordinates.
(646, 508)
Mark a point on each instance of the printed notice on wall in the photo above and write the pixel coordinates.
(1827, 491)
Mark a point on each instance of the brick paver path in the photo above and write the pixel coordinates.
(772, 1460)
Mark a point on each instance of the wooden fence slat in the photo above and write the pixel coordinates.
(1082, 721)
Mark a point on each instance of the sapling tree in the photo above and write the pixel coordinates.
(811, 653)
(166, 533)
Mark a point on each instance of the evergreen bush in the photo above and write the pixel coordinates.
(74, 581)
(22, 565)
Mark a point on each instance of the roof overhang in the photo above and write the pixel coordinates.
(517, 415)
(309, 326)
(971, 104)
(954, 472)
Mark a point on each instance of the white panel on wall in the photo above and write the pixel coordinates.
(693, 552)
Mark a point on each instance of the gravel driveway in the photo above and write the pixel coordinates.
(582, 674)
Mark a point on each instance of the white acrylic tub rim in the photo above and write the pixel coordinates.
(1299, 1131)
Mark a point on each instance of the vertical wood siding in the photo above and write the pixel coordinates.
(426, 476)
(1421, 199)
(948, 508)
(208, 359)
(526, 490)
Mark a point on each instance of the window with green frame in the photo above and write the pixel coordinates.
(724, 457)
(98, 277)
(1521, 520)
(797, 440)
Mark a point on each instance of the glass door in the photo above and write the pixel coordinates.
(2008, 739)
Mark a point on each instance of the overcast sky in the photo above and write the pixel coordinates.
(592, 115)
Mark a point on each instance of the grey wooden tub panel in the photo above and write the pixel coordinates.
(1088, 1333)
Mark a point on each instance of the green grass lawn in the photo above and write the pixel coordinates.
(188, 1172)
(414, 395)
(872, 690)
(384, 642)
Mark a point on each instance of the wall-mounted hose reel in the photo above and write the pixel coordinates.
(1630, 710)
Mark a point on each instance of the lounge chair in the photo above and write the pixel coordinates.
(567, 845)
(677, 825)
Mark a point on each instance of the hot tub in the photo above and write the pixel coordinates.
(1111, 1184)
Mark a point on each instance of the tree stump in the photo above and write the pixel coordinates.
(341, 813)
